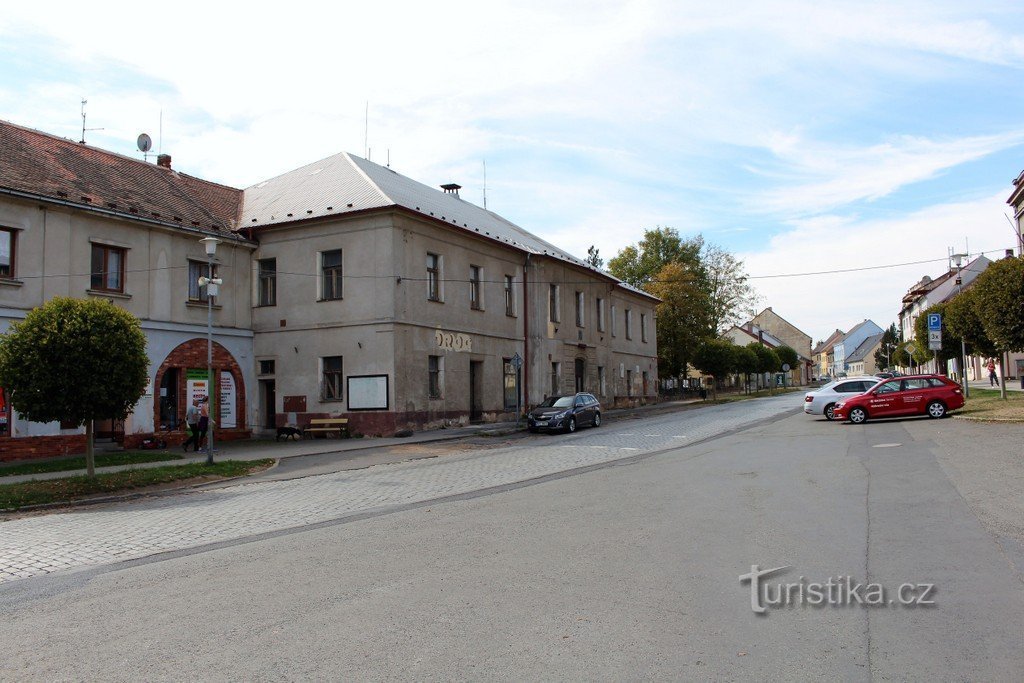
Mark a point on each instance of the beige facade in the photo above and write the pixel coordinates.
(782, 329)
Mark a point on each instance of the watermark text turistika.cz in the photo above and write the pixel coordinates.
(839, 591)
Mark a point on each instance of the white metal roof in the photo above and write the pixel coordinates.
(345, 183)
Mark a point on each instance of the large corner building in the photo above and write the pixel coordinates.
(349, 291)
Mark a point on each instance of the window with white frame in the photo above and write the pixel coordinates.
(600, 314)
(267, 282)
(643, 327)
(612, 320)
(554, 314)
(629, 324)
(579, 309)
(8, 241)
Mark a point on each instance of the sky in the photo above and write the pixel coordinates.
(804, 137)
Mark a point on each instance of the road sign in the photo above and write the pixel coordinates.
(934, 321)
(934, 336)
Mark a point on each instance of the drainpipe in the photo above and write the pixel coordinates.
(526, 335)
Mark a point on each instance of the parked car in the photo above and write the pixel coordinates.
(931, 395)
(888, 375)
(822, 401)
(565, 413)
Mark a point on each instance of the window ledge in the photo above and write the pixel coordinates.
(202, 304)
(11, 282)
(340, 298)
(108, 295)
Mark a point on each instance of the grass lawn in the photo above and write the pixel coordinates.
(985, 404)
(78, 462)
(16, 496)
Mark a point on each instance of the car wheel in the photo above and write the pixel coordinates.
(570, 426)
(858, 415)
(829, 411)
(597, 419)
(936, 409)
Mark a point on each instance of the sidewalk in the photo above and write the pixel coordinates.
(1011, 385)
(258, 449)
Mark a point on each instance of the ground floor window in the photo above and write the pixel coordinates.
(434, 368)
(332, 378)
(510, 384)
(555, 372)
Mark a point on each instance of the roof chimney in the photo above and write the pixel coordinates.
(163, 160)
(451, 188)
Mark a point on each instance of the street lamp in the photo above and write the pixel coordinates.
(212, 284)
(958, 259)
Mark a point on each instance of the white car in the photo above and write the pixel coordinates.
(821, 401)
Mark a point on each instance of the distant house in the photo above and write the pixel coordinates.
(822, 355)
(849, 343)
(779, 327)
(741, 335)
(862, 360)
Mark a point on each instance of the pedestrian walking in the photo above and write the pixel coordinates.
(192, 419)
(991, 365)
(204, 420)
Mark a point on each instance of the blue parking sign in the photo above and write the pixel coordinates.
(934, 321)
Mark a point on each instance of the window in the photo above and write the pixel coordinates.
(267, 280)
(8, 238)
(629, 324)
(613, 320)
(107, 268)
(602, 388)
(196, 270)
(555, 372)
(509, 384)
(579, 309)
(434, 368)
(474, 288)
(433, 277)
(915, 384)
(266, 367)
(331, 275)
(643, 327)
(600, 314)
(331, 389)
(553, 312)
(889, 387)
(510, 296)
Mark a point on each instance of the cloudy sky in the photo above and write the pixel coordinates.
(803, 136)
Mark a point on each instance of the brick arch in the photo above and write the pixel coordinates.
(192, 355)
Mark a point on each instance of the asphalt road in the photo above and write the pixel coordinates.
(625, 569)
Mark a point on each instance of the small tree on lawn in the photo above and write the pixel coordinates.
(715, 357)
(767, 361)
(76, 361)
(999, 291)
(746, 363)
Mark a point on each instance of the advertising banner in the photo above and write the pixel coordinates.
(227, 401)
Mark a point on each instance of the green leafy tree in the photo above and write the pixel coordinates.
(950, 342)
(715, 357)
(682, 322)
(746, 363)
(888, 345)
(639, 264)
(787, 356)
(75, 361)
(594, 257)
(964, 321)
(767, 360)
(999, 294)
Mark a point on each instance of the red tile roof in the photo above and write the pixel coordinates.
(47, 166)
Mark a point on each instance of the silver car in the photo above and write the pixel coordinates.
(821, 401)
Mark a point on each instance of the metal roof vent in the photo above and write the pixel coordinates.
(451, 188)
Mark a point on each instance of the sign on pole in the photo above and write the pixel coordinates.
(934, 321)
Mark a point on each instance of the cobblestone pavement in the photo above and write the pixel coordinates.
(88, 537)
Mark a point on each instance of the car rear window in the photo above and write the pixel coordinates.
(935, 382)
(912, 384)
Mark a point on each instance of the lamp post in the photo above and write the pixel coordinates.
(958, 259)
(212, 284)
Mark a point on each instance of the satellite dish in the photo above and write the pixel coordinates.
(145, 143)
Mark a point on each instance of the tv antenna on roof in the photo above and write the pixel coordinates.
(84, 129)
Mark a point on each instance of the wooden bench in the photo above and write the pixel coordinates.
(325, 426)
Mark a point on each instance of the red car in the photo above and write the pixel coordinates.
(931, 395)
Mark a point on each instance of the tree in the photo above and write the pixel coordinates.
(999, 293)
(964, 321)
(638, 264)
(746, 362)
(75, 361)
(715, 357)
(767, 360)
(731, 297)
(594, 259)
(886, 348)
(950, 342)
(682, 323)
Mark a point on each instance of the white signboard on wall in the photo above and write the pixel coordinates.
(227, 401)
(368, 392)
